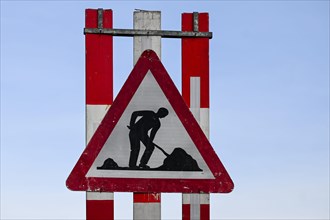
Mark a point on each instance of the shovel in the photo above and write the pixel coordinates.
(162, 150)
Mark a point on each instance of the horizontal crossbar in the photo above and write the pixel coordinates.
(136, 32)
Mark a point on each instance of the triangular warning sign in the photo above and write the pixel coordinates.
(149, 141)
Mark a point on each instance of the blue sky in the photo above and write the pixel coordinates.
(269, 70)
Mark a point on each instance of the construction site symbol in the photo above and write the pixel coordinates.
(147, 114)
(144, 130)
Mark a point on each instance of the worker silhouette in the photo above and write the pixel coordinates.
(149, 121)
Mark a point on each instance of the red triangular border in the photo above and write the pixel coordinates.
(77, 180)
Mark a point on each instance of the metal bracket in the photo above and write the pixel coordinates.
(100, 18)
(195, 21)
(136, 32)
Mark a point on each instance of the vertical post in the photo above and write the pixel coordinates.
(195, 92)
(146, 205)
(99, 96)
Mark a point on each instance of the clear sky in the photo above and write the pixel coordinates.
(269, 70)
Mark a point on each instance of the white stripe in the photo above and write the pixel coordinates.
(99, 196)
(194, 206)
(185, 198)
(204, 121)
(147, 211)
(195, 97)
(94, 116)
(202, 117)
(204, 198)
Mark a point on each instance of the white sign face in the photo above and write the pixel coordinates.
(174, 157)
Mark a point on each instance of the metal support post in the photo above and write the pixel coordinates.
(195, 91)
(146, 205)
(99, 95)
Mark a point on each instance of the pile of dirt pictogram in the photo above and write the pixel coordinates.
(109, 164)
(179, 160)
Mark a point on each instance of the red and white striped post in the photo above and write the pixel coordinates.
(146, 205)
(99, 96)
(195, 92)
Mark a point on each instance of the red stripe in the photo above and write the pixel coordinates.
(185, 211)
(205, 211)
(195, 58)
(99, 60)
(146, 197)
(99, 209)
